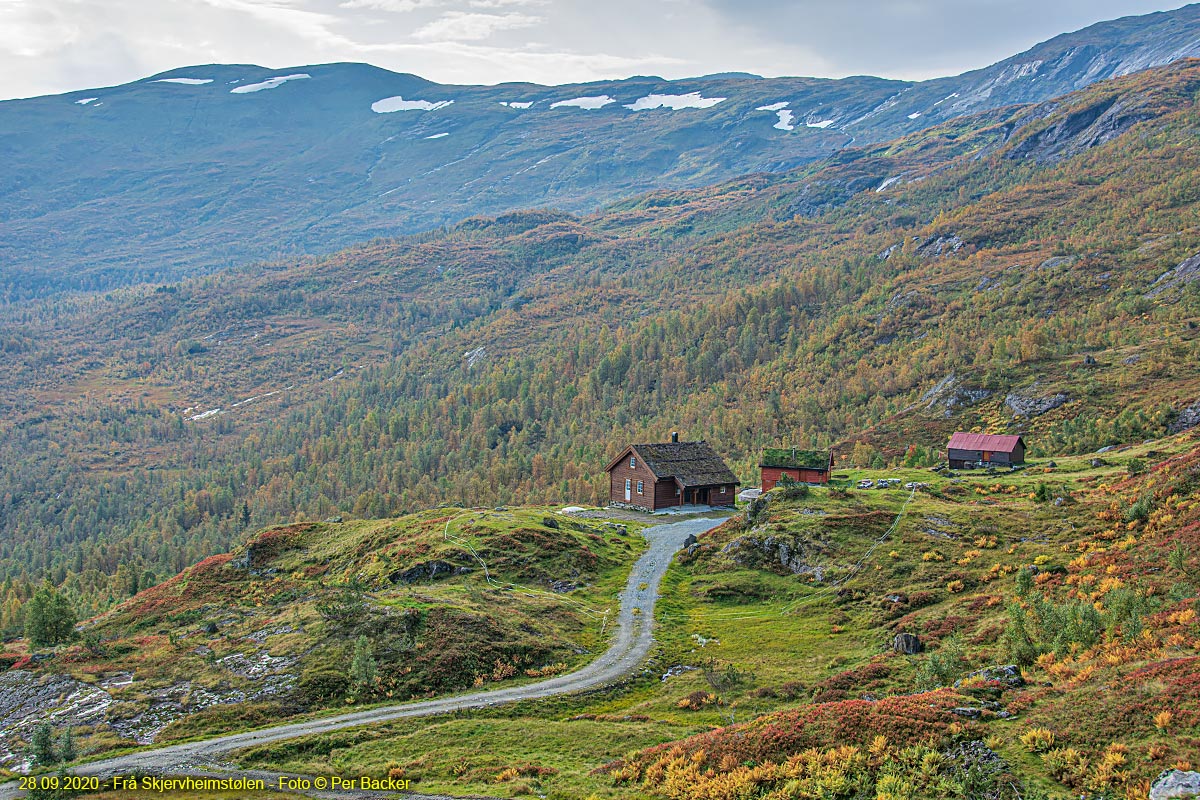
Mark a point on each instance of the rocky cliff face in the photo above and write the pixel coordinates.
(1053, 68)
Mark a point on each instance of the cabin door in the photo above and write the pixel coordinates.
(628, 489)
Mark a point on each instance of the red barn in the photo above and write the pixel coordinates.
(984, 450)
(802, 466)
(675, 473)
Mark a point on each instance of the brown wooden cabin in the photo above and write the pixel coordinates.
(802, 466)
(984, 450)
(675, 473)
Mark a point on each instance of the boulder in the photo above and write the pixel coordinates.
(1026, 403)
(1188, 418)
(429, 571)
(907, 643)
(1007, 674)
(941, 246)
(690, 540)
(1175, 783)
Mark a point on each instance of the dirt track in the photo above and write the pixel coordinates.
(629, 648)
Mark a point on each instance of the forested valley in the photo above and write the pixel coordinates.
(1022, 253)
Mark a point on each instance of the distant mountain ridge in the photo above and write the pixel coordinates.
(204, 167)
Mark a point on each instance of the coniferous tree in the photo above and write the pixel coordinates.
(66, 746)
(41, 745)
(362, 668)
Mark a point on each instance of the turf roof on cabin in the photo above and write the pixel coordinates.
(690, 463)
(792, 458)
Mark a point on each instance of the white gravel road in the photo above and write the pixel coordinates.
(630, 647)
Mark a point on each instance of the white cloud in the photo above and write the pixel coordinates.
(315, 26)
(50, 46)
(31, 30)
(505, 3)
(462, 26)
(397, 6)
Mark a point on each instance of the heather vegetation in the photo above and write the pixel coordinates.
(273, 493)
(316, 616)
(776, 673)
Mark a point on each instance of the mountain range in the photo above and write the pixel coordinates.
(206, 167)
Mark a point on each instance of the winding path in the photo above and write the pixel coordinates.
(630, 647)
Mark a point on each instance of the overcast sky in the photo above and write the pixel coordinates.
(50, 46)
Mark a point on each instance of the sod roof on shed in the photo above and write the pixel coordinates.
(791, 458)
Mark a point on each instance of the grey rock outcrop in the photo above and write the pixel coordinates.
(1186, 272)
(1078, 131)
(1058, 261)
(1028, 403)
(1175, 783)
(795, 555)
(949, 395)
(1007, 674)
(27, 699)
(429, 571)
(941, 246)
(1188, 418)
(907, 643)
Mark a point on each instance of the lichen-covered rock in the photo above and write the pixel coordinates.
(1188, 418)
(1175, 783)
(28, 699)
(907, 643)
(949, 395)
(429, 571)
(943, 245)
(779, 553)
(1028, 403)
(1007, 674)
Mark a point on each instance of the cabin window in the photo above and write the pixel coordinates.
(640, 488)
(723, 490)
(677, 491)
(632, 462)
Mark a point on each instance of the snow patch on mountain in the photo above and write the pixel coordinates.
(186, 81)
(269, 83)
(674, 101)
(85, 101)
(782, 104)
(825, 123)
(785, 120)
(516, 103)
(389, 105)
(438, 136)
(588, 103)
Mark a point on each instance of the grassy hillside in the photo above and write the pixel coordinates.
(776, 674)
(1025, 270)
(273, 629)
